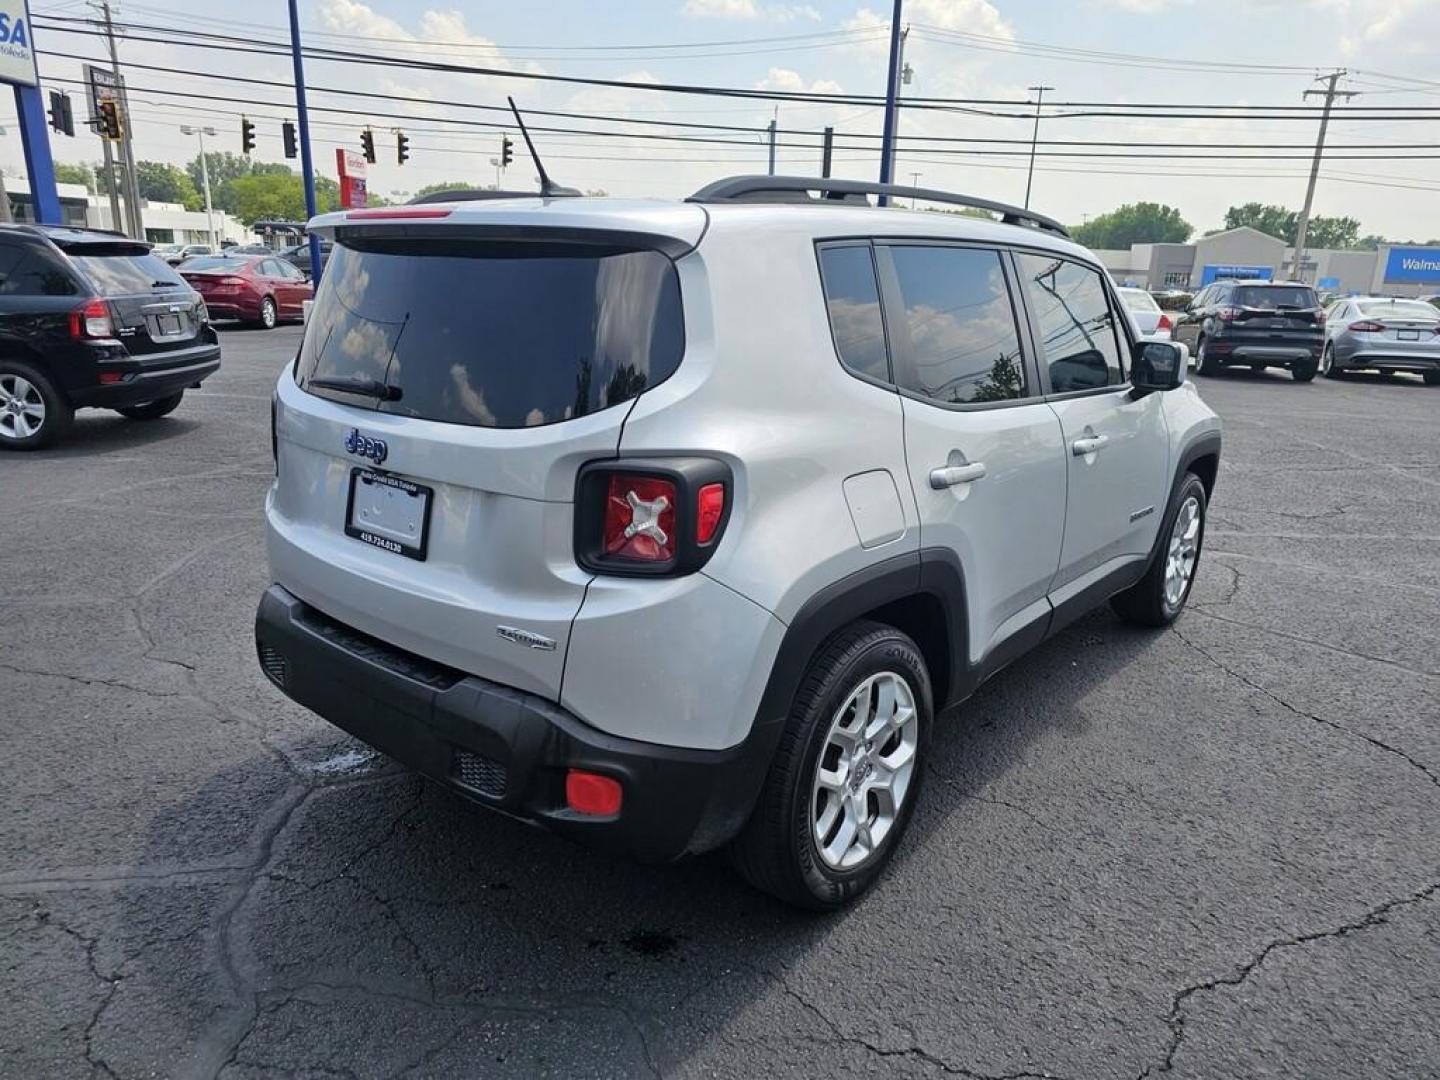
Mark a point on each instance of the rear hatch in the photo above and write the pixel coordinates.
(452, 381)
(1277, 314)
(153, 310)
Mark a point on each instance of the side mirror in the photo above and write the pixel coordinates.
(1158, 365)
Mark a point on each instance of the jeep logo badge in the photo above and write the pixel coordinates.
(374, 449)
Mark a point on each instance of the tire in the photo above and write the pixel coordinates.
(778, 850)
(1305, 372)
(1327, 364)
(269, 314)
(1204, 363)
(32, 412)
(1150, 601)
(1432, 378)
(153, 410)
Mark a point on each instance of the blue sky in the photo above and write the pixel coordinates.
(972, 48)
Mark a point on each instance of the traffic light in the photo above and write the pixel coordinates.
(367, 145)
(247, 134)
(287, 133)
(507, 151)
(61, 118)
(110, 120)
(402, 147)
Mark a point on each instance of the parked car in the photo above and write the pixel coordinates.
(187, 251)
(1383, 334)
(92, 319)
(666, 526)
(1151, 321)
(299, 255)
(257, 289)
(1255, 324)
(250, 249)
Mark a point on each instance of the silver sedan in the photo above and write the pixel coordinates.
(1149, 319)
(1383, 334)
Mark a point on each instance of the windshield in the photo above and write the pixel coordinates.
(1399, 309)
(213, 264)
(1138, 300)
(125, 275)
(1275, 297)
(494, 334)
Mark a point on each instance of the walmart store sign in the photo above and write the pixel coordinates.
(1413, 264)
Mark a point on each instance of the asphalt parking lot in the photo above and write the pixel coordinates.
(1209, 852)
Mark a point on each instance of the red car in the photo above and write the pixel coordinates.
(257, 289)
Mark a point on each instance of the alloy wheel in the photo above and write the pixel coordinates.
(865, 770)
(22, 409)
(1183, 551)
(267, 313)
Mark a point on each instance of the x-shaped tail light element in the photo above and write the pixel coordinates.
(645, 517)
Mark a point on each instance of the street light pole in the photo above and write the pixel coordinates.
(1034, 138)
(205, 179)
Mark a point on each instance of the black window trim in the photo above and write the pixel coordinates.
(1124, 342)
(821, 246)
(893, 300)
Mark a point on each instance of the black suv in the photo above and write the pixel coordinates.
(92, 319)
(1255, 324)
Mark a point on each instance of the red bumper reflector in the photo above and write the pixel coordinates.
(591, 793)
(108, 378)
(709, 508)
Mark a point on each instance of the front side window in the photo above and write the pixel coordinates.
(1078, 337)
(852, 299)
(963, 346)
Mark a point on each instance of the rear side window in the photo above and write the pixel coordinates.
(1275, 297)
(962, 343)
(853, 301)
(38, 273)
(1078, 337)
(492, 334)
(126, 275)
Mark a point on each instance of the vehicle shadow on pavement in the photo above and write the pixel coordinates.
(386, 923)
(107, 432)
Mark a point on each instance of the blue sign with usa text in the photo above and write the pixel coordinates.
(1413, 264)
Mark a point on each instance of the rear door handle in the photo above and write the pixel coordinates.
(950, 475)
(1089, 444)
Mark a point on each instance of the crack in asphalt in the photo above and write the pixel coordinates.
(1388, 662)
(1379, 744)
(118, 684)
(1376, 916)
(1236, 579)
(111, 982)
(955, 786)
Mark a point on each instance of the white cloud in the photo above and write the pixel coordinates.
(793, 82)
(748, 9)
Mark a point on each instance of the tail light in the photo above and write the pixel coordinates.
(650, 516)
(1228, 314)
(1367, 326)
(1164, 323)
(1319, 318)
(92, 320)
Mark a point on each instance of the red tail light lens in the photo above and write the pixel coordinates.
(1164, 323)
(709, 509)
(1227, 314)
(640, 518)
(591, 793)
(92, 321)
(1368, 326)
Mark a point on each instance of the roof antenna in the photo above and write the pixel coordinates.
(548, 188)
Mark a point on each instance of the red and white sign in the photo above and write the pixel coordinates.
(351, 167)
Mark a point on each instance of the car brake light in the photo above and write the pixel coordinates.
(1227, 314)
(1319, 318)
(92, 320)
(709, 509)
(591, 793)
(639, 518)
(395, 213)
(1164, 323)
(1367, 326)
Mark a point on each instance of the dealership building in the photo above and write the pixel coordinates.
(1249, 253)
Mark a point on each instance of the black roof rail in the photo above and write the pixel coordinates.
(469, 195)
(798, 188)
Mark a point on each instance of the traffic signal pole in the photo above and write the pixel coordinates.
(136, 224)
(307, 164)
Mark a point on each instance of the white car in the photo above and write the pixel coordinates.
(1149, 319)
(674, 525)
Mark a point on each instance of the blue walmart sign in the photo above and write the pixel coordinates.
(1221, 272)
(1413, 264)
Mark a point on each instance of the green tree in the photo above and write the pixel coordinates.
(161, 181)
(76, 174)
(1272, 220)
(1332, 232)
(451, 185)
(1134, 223)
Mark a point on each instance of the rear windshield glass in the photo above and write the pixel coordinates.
(213, 264)
(494, 334)
(1399, 309)
(1274, 297)
(1138, 301)
(125, 275)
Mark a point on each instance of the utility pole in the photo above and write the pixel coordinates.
(904, 74)
(205, 178)
(127, 149)
(827, 151)
(307, 163)
(892, 84)
(1034, 139)
(773, 121)
(914, 182)
(1303, 225)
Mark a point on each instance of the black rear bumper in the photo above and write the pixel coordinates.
(503, 748)
(148, 378)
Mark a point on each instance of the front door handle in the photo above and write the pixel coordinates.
(950, 475)
(1089, 444)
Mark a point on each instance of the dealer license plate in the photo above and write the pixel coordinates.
(1409, 335)
(388, 512)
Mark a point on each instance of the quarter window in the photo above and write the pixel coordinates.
(963, 345)
(1078, 337)
(853, 301)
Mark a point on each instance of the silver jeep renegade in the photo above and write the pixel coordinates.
(673, 526)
